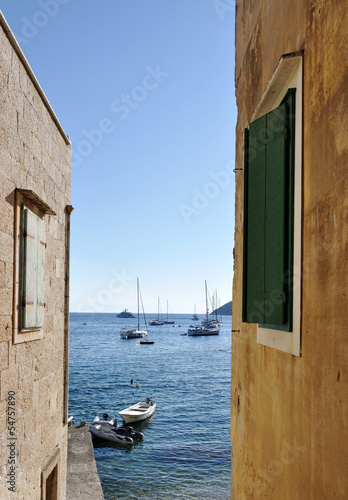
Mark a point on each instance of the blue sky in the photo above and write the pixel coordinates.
(145, 91)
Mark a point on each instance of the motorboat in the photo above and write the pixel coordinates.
(107, 429)
(105, 420)
(137, 412)
(147, 342)
(110, 434)
(125, 314)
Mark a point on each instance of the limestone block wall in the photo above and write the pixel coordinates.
(289, 413)
(35, 155)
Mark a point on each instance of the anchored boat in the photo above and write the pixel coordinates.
(137, 412)
(135, 333)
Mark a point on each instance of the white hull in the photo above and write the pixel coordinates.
(133, 334)
(138, 412)
(199, 332)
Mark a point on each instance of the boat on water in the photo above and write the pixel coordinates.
(112, 422)
(105, 428)
(196, 331)
(110, 434)
(137, 412)
(125, 314)
(135, 333)
(158, 321)
(194, 315)
(168, 321)
(207, 326)
(147, 342)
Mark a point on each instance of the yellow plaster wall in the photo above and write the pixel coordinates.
(289, 414)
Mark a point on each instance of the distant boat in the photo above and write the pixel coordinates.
(168, 321)
(125, 314)
(194, 316)
(158, 321)
(135, 333)
(207, 327)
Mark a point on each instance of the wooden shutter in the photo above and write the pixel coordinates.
(266, 220)
(276, 228)
(255, 222)
(32, 270)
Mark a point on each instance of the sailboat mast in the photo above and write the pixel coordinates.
(206, 300)
(138, 301)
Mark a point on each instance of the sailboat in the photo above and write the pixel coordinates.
(158, 321)
(168, 321)
(194, 316)
(135, 333)
(207, 327)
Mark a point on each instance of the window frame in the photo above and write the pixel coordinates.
(39, 208)
(288, 74)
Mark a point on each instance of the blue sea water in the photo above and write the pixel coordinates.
(186, 452)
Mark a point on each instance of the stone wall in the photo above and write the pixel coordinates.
(35, 155)
(289, 413)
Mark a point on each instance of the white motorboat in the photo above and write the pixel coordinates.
(135, 333)
(125, 314)
(112, 422)
(137, 412)
(110, 434)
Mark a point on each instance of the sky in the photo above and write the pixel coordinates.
(145, 91)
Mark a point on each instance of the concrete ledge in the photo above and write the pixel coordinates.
(82, 476)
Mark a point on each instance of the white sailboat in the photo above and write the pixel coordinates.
(135, 333)
(168, 321)
(207, 327)
(194, 316)
(158, 321)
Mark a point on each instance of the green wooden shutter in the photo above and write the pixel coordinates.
(32, 270)
(267, 234)
(276, 213)
(255, 218)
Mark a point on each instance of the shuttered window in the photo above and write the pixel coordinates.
(32, 259)
(268, 217)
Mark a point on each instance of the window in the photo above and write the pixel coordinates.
(32, 271)
(268, 217)
(272, 211)
(50, 477)
(29, 275)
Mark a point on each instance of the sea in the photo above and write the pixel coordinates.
(186, 451)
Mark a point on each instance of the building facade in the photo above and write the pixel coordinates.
(35, 168)
(289, 424)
